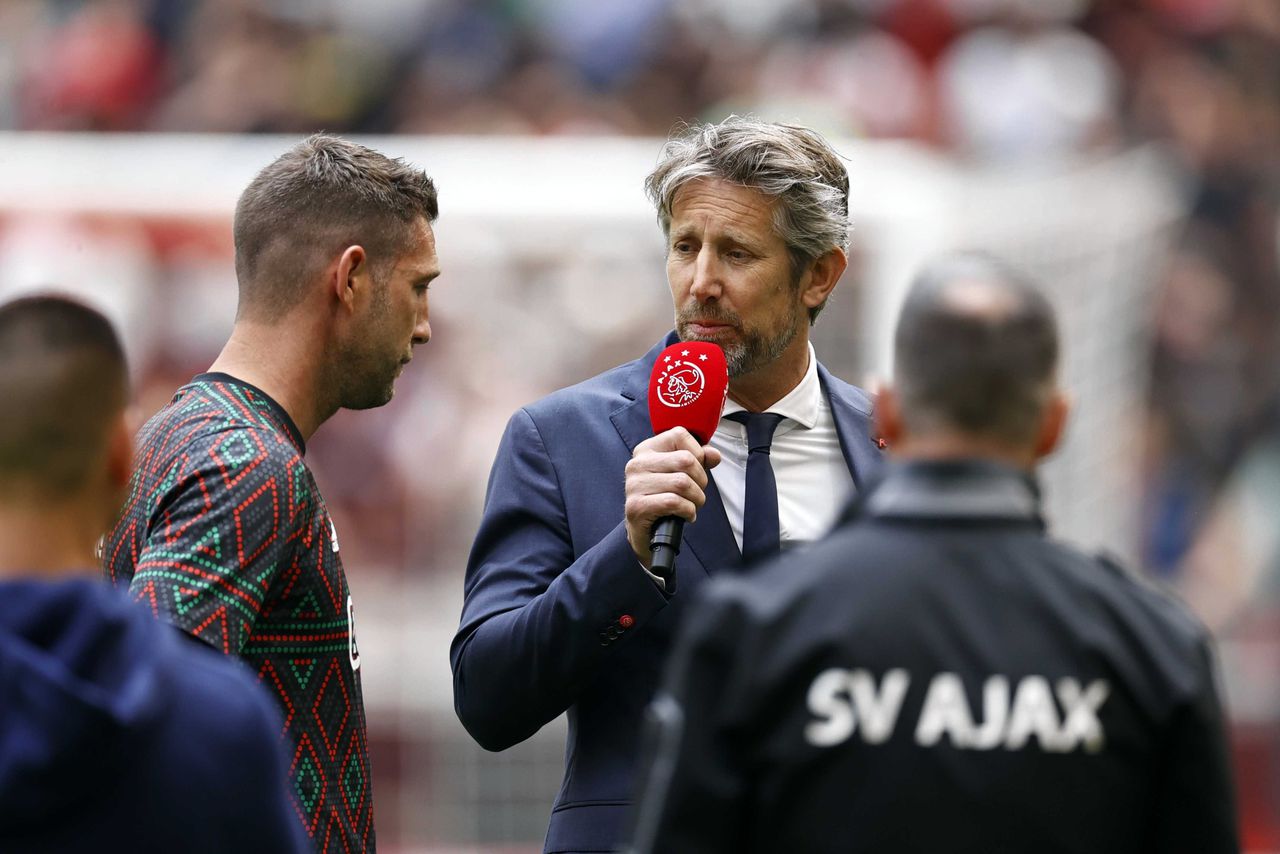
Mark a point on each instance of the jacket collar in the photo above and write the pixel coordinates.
(961, 489)
(854, 427)
(635, 385)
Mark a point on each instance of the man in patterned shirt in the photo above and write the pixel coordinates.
(225, 534)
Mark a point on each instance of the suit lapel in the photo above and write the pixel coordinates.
(631, 418)
(710, 538)
(853, 426)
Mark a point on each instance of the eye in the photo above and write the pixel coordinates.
(739, 254)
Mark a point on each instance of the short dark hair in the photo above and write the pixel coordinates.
(64, 383)
(317, 198)
(976, 350)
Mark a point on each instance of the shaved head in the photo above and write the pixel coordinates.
(976, 351)
(64, 385)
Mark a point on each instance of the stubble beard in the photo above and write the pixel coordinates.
(366, 381)
(372, 396)
(368, 375)
(751, 349)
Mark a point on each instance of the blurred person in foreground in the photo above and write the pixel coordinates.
(98, 702)
(561, 609)
(225, 533)
(938, 674)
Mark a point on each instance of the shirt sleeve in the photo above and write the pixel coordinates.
(217, 535)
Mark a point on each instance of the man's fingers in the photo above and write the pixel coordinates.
(674, 483)
(675, 439)
(666, 476)
(644, 510)
(668, 462)
(678, 439)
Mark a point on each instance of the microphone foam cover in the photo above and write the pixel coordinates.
(687, 388)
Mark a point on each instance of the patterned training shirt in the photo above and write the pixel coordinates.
(226, 536)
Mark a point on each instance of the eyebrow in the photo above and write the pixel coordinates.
(743, 239)
(426, 275)
(730, 235)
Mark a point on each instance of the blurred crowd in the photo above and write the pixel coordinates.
(994, 78)
(1013, 84)
(996, 81)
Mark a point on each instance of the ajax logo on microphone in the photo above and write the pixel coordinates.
(681, 381)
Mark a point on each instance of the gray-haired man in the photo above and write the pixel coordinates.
(938, 674)
(561, 611)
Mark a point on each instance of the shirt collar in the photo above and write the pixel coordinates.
(801, 404)
(952, 489)
(277, 411)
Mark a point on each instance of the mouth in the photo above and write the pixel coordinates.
(706, 327)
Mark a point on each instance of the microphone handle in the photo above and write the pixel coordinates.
(664, 542)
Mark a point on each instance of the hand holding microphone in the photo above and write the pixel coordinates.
(666, 479)
(667, 475)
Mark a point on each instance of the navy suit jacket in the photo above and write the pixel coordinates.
(558, 613)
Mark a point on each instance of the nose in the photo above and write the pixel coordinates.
(707, 282)
(422, 330)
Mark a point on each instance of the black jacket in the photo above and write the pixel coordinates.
(118, 734)
(937, 675)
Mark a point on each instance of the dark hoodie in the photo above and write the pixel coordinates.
(118, 734)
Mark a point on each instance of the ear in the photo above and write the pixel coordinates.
(120, 453)
(887, 415)
(822, 277)
(350, 276)
(1052, 424)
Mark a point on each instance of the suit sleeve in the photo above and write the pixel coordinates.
(217, 536)
(537, 614)
(1195, 809)
(695, 793)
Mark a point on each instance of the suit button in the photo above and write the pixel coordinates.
(604, 639)
(612, 633)
(626, 621)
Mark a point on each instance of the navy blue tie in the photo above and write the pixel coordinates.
(760, 530)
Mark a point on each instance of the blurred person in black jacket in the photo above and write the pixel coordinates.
(938, 674)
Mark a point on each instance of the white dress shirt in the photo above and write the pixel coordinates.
(812, 476)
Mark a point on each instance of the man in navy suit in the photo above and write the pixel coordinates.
(562, 611)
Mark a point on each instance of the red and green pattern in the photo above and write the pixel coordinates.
(226, 536)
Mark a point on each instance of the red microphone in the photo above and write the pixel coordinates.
(687, 389)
